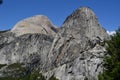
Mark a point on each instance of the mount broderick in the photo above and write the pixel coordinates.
(73, 52)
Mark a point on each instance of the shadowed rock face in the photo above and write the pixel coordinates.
(74, 53)
(35, 24)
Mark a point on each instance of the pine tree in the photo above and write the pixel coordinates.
(112, 60)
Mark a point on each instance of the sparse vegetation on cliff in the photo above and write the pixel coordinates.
(17, 72)
(112, 60)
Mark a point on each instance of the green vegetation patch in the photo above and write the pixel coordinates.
(111, 62)
(15, 65)
(16, 71)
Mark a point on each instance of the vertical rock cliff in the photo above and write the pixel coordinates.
(74, 52)
(78, 48)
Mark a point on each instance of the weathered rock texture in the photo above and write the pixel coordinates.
(75, 53)
(77, 49)
(35, 24)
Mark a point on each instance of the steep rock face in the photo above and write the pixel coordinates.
(35, 24)
(81, 36)
(74, 37)
(74, 53)
(5, 38)
(86, 66)
(84, 22)
(25, 48)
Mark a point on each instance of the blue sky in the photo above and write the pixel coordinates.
(12, 11)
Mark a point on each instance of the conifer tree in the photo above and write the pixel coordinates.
(112, 60)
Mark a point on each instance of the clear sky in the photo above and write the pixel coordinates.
(12, 11)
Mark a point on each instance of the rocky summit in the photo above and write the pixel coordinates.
(36, 47)
(36, 24)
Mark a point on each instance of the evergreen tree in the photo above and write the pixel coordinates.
(112, 60)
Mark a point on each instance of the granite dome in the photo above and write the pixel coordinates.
(36, 24)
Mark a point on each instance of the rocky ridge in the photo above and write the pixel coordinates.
(75, 52)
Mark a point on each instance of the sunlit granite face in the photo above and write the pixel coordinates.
(36, 24)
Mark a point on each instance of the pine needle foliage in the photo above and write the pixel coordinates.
(112, 60)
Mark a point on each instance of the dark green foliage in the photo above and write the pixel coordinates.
(34, 76)
(17, 71)
(13, 72)
(2, 65)
(15, 65)
(8, 78)
(31, 76)
(112, 60)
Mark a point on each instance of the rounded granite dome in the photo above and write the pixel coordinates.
(36, 24)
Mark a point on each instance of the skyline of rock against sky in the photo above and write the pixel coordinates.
(12, 11)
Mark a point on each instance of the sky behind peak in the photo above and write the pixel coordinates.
(12, 11)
